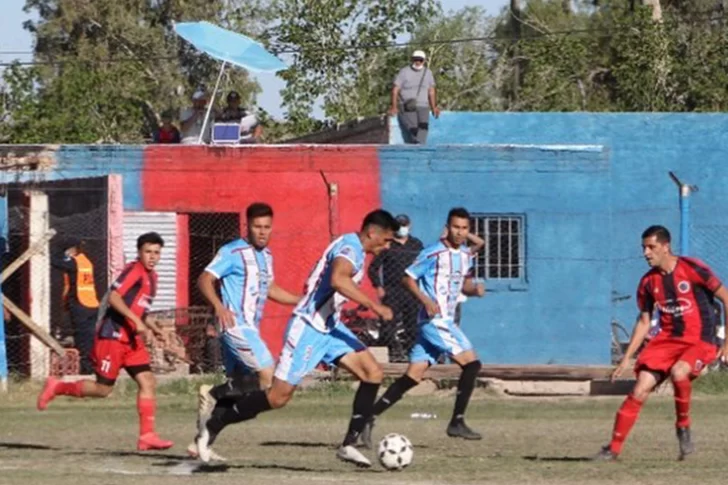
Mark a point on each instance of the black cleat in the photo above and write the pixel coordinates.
(461, 430)
(686, 444)
(606, 454)
(365, 438)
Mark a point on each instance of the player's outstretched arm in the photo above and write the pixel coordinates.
(640, 331)
(279, 295)
(206, 284)
(341, 281)
(431, 307)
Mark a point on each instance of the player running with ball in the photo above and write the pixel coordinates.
(315, 333)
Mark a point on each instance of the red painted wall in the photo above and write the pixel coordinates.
(227, 179)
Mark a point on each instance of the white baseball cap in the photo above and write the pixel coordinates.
(418, 54)
(199, 94)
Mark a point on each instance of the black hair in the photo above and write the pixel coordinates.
(460, 212)
(149, 238)
(258, 209)
(660, 232)
(382, 219)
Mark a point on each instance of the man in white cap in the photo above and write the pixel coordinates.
(193, 118)
(413, 96)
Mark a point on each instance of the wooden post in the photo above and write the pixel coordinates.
(40, 285)
(516, 34)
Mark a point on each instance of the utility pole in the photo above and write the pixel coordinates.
(516, 36)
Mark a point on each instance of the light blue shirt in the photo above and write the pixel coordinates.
(440, 272)
(321, 304)
(245, 275)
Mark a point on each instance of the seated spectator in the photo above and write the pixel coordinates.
(193, 118)
(250, 129)
(167, 132)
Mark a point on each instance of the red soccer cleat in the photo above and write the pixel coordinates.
(48, 393)
(151, 441)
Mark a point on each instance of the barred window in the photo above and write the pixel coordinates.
(504, 254)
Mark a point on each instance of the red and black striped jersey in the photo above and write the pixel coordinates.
(684, 299)
(137, 287)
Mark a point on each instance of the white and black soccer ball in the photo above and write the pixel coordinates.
(395, 452)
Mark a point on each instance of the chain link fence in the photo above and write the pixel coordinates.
(74, 209)
(79, 209)
(708, 242)
(17, 339)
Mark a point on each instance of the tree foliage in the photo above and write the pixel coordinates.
(106, 67)
(334, 54)
(615, 58)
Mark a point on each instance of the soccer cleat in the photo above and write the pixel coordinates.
(686, 444)
(204, 439)
(205, 405)
(365, 438)
(192, 453)
(151, 441)
(461, 430)
(352, 455)
(605, 454)
(48, 393)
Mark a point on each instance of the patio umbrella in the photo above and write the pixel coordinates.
(230, 48)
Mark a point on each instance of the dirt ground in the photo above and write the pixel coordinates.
(527, 440)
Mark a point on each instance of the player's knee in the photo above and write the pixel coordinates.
(277, 397)
(102, 390)
(473, 365)
(373, 373)
(679, 371)
(147, 382)
(641, 394)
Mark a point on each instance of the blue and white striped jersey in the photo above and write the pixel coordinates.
(245, 274)
(440, 272)
(321, 305)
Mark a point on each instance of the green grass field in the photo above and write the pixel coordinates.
(527, 440)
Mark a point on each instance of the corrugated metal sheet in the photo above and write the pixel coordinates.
(165, 223)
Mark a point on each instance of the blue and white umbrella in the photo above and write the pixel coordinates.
(229, 47)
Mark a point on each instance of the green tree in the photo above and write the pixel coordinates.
(334, 58)
(614, 58)
(106, 68)
(466, 74)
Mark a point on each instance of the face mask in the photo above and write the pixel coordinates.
(403, 231)
(418, 67)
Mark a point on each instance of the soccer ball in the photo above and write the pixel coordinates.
(395, 452)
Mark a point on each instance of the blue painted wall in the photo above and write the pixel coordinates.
(91, 161)
(642, 148)
(563, 193)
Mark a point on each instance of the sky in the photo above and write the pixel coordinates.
(17, 43)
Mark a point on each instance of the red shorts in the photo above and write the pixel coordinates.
(662, 353)
(110, 356)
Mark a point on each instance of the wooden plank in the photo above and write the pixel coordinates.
(35, 248)
(34, 328)
(514, 372)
